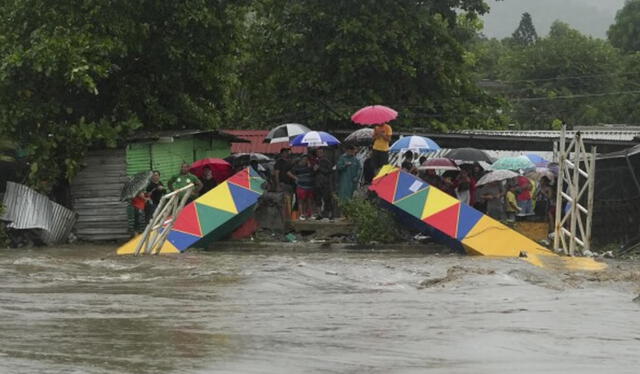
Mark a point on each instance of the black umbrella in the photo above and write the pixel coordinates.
(285, 133)
(135, 184)
(469, 155)
(360, 137)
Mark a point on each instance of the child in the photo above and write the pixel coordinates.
(139, 203)
(511, 202)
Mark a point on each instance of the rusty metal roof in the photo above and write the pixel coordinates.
(255, 143)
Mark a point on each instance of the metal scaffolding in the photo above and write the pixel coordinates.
(576, 178)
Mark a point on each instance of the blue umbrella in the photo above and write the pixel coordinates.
(537, 160)
(513, 163)
(314, 139)
(417, 143)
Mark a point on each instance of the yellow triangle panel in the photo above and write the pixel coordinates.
(219, 198)
(129, 247)
(386, 169)
(437, 201)
(491, 238)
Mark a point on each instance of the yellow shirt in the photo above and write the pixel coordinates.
(380, 144)
(511, 202)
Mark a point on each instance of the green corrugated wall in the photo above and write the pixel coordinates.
(167, 157)
(138, 157)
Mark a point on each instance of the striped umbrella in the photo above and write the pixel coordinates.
(315, 139)
(439, 164)
(414, 143)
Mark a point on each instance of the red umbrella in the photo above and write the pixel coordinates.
(439, 164)
(220, 168)
(374, 115)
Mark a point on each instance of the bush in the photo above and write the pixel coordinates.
(372, 224)
(4, 237)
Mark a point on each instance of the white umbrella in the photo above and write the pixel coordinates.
(496, 176)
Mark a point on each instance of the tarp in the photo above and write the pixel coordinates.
(25, 209)
(218, 212)
(433, 209)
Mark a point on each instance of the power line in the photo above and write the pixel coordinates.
(577, 96)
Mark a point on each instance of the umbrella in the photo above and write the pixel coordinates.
(285, 133)
(315, 139)
(513, 163)
(539, 161)
(259, 157)
(469, 155)
(374, 115)
(554, 168)
(220, 168)
(439, 164)
(496, 176)
(362, 137)
(135, 184)
(417, 143)
(539, 173)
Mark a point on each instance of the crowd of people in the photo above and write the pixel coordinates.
(316, 183)
(527, 196)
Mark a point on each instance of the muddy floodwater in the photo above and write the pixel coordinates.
(85, 310)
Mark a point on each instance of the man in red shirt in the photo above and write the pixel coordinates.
(524, 197)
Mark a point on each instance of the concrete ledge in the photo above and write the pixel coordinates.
(319, 246)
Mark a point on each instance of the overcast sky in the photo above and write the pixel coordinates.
(592, 17)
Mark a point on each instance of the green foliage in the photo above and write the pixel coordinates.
(319, 61)
(525, 35)
(90, 73)
(372, 223)
(4, 237)
(624, 32)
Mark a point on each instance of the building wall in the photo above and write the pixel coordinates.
(95, 194)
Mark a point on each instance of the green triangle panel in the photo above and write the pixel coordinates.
(414, 204)
(256, 184)
(211, 218)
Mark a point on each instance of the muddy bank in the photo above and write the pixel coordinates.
(82, 309)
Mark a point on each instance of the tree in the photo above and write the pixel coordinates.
(78, 74)
(319, 61)
(566, 76)
(624, 32)
(525, 35)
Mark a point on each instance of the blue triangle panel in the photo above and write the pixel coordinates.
(181, 240)
(253, 173)
(242, 197)
(468, 218)
(408, 185)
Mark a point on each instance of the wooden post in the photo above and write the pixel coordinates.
(591, 192)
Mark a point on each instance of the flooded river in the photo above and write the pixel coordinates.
(84, 310)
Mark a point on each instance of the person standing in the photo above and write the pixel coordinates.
(139, 203)
(381, 138)
(155, 190)
(525, 196)
(324, 185)
(208, 181)
(302, 174)
(511, 202)
(492, 195)
(183, 179)
(349, 169)
(281, 179)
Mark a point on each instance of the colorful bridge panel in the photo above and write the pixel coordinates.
(212, 211)
(478, 233)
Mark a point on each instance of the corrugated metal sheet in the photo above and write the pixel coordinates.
(96, 196)
(138, 158)
(256, 145)
(216, 148)
(27, 209)
(167, 157)
(622, 134)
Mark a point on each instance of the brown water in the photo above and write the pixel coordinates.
(84, 310)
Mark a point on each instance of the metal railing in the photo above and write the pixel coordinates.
(161, 223)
